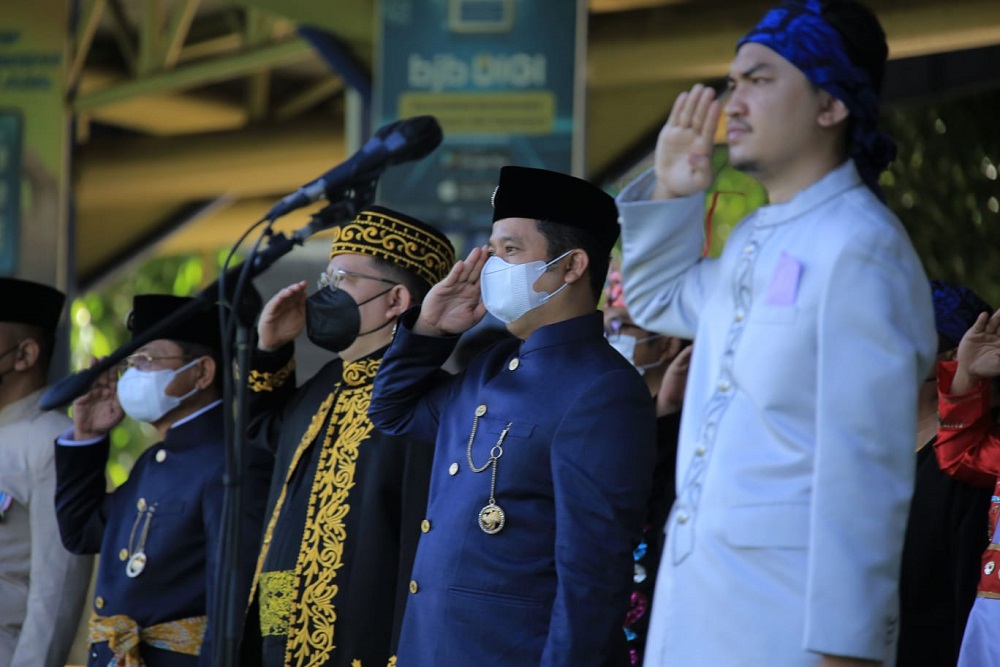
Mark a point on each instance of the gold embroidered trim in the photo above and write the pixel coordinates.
(392, 662)
(992, 596)
(360, 373)
(277, 590)
(396, 241)
(314, 426)
(314, 615)
(260, 381)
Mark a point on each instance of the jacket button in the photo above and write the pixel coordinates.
(141, 505)
(413, 587)
(425, 526)
(123, 554)
(453, 469)
(161, 456)
(481, 410)
(682, 517)
(99, 602)
(514, 363)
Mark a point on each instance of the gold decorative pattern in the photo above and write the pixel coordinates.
(260, 381)
(315, 424)
(397, 241)
(124, 635)
(392, 662)
(277, 590)
(313, 616)
(360, 373)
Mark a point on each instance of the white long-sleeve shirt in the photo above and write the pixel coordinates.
(813, 331)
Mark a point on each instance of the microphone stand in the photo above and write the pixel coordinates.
(230, 597)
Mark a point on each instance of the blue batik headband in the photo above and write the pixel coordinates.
(797, 31)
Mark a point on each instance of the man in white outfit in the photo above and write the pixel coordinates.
(814, 328)
(42, 586)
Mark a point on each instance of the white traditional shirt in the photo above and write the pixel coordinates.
(813, 331)
(42, 586)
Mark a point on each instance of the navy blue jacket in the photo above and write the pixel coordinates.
(184, 484)
(574, 479)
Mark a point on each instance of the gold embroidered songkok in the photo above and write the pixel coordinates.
(396, 238)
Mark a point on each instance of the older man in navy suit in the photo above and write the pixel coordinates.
(545, 443)
(158, 533)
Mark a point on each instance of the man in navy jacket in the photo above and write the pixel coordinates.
(545, 444)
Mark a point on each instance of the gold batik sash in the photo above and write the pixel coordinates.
(124, 635)
(312, 613)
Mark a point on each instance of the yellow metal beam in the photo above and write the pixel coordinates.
(177, 30)
(88, 25)
(198, 74)
(260, 161)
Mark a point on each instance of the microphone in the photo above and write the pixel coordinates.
(401, 141)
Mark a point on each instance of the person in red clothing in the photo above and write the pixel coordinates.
(968, 448)
(944, 533)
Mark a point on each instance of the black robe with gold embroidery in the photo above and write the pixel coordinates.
(343, 519)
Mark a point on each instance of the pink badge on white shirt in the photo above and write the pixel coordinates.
(784, 287)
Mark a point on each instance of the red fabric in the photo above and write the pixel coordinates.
(968, 441)
(968, 448)
(989, 580)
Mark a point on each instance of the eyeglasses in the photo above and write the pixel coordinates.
(144, 362)
(336, 276)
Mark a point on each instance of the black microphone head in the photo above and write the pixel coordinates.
(411, 138)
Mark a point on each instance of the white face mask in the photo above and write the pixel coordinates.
(508, 289)
(143, 395)
(625, 346)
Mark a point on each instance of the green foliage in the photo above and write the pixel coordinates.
(732, 197)
(98, 329)
(943, 186)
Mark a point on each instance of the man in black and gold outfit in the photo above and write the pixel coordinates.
(346, 501)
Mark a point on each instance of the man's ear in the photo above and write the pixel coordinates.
(206, 372)
(576, 264)
(400, 301)
(832, 111)
(27, 355)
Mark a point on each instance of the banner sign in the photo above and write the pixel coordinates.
(33, 138)
(504, 78)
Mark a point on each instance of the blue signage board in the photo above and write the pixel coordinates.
(504, 78)
(11, 136)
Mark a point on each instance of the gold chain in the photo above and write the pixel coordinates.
(495, 453)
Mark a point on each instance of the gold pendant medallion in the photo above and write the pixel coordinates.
(136, 564)
(492, 519)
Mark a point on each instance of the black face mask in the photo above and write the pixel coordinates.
(333, 319)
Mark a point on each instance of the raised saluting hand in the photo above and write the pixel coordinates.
(454, 305)
(98, 411)
(283, 317)
(683, 161)
(978, 354)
